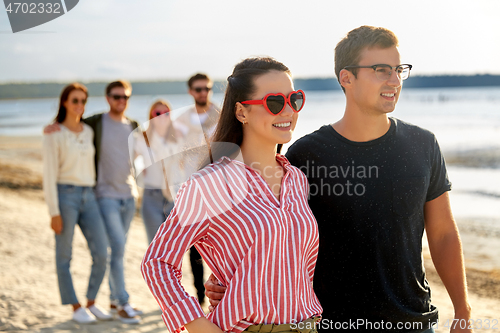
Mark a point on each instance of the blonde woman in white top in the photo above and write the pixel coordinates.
(159, 146)
(68, 181)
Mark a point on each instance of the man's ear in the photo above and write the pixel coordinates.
(345, 78)
(240, 112)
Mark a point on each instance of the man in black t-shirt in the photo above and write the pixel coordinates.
(376, 183)
(369, 198)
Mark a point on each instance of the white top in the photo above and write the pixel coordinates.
(198, 128)
(198, 125)
(68, 158)
(197, 118)
(161, 155)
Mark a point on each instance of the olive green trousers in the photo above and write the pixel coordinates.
(307, 326)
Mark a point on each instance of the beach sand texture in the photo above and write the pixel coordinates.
(29, 295)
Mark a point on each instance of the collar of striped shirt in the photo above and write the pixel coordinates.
(282, 160)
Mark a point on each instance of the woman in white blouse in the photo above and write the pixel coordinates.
(158, 146)
(68, 181)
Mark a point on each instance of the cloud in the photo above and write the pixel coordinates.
(173, 39)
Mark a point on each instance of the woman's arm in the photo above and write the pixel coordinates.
(50, 172)
(141, 157)
(161, 266)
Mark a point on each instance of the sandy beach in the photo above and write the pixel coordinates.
(29, 296)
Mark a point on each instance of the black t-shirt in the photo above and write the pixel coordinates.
(368, 199)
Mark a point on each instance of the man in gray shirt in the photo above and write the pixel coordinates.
(116, 189)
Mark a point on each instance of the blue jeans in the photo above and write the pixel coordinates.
(155, 209)
(117, 215)
(78, 205)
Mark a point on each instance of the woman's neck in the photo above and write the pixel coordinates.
(262, 158)
(258, 157)
(73, 123)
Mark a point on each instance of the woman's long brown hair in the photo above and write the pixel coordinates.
(61, 113)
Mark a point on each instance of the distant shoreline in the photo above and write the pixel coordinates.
(53, 89)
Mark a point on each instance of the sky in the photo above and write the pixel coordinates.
(173, 39)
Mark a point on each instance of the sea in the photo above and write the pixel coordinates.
(466, 122)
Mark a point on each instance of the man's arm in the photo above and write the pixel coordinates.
(51, 128)
(214, 292)
(54, 127)
(446, 252)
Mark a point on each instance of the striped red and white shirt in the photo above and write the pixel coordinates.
(263, 250)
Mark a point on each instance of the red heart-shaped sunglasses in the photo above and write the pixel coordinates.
(275, 103)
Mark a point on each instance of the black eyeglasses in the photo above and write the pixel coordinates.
(118, 97)
(77, 101)
(384, 71)
(200, 89)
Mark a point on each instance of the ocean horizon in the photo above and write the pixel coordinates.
(466, 122)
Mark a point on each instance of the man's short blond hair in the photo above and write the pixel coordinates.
(348, 50)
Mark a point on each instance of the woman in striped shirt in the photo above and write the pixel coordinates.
(247, 215)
